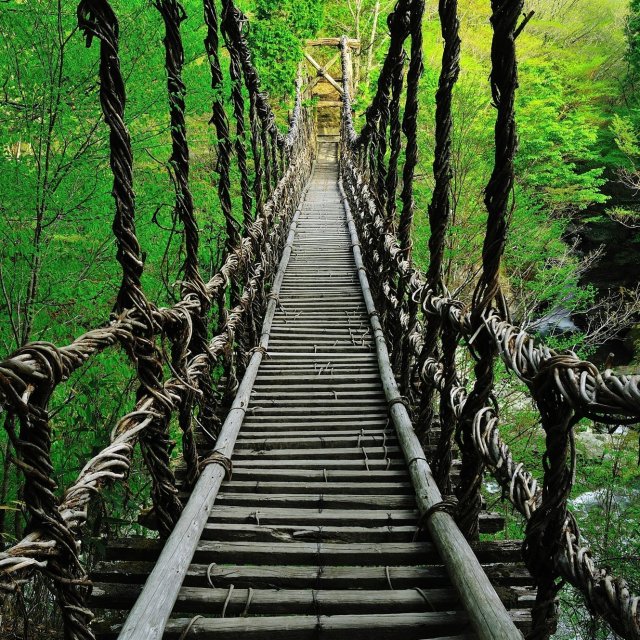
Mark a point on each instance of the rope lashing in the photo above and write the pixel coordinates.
(189, 626)
(226, 601)
(447, 505)
(402, 400)
(259, 349)
(215, 457)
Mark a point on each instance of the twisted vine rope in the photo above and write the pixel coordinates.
(564, 387)
(29, 376)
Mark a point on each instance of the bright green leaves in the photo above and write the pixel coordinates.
(632, 32)
(558, 157)
(625, 137)
(277, 38)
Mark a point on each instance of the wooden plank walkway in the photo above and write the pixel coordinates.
(313, 537)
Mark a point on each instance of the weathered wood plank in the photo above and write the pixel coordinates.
(266, 487)
(287, 553)
(321, 501)
(382, 627)
(309, 577)
(271, 601)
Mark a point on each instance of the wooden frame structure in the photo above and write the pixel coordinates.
(325, 85)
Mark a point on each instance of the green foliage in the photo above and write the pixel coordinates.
(625, 136)
(632, 32)
(303, 17)
(277, 38)
(558, 158)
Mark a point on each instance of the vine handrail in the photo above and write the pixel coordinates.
(564, 386)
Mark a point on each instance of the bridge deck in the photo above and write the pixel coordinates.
(313, 536)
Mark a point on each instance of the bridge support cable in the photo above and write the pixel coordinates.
(439, 211)
(498, 200)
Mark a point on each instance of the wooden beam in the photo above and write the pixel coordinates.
(323, 73)
(333, 60)
(353, 43)
(487, 614)
(329, 103)
(314, 81)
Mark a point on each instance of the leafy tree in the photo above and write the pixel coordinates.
(632, 32)
(277, 38)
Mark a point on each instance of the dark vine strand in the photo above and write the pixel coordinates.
(235, 72)
(504, 82)
(184, 342)
(220, 120)
(439, 216)
(410, 130)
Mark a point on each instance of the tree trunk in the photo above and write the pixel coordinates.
(372, 40)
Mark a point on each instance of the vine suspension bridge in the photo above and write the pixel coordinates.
(329, 484)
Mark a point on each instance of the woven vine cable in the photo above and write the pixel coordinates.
(410, 130)
(383, 115)
(192, 337)
(251, 77)
(155, 442)
(439, 216)
(395, 141)
(398, 23)
(265, 140)
(220, 121)
(498, 193)
(379, 141)
(235, 71)
(96, 19)
(546, 527)
(33, 447)
(258, 188)
(390, 191)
